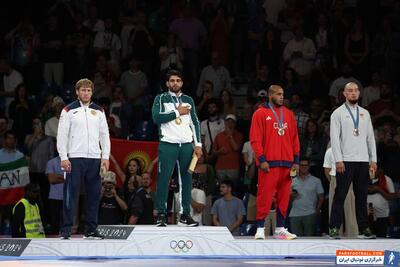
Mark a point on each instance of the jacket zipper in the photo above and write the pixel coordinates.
(87, 129)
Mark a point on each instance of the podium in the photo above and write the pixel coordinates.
(186, 242)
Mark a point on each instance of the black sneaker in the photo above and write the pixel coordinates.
(334, 233)
(161, 220)
(186, 220)
(65, 236)
(366, 234)
(93, 235)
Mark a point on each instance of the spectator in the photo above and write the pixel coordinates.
(263, 79)
(257, 27)
(77, 45)
(41, 149)
(55, 177)
(210, 127)
(51, 42)
(134, 82)
(198, 200)
(204, 173)
(114, 123)
(228, 210)
(291, 83)
(191, 33)
(26, 221)
(112, 206)
(170, 55)
(141, 42)
(3, 129)
(95, 24)
(308, 196)
(371, 93)
(227, 147)
(219, 35)
(301, 117)
(104, 78)
(380, 192)
(141, 204)
(9, 154)
(11, 79)
(217, 74)
(385, 106)
(203, 101)
(313, 145)
(24, 43)
(300, 53)
(322, 37)
(269, 54)
(108, 42)
(132, 170)
(22, 111)
(226, 98)
(317, 111)
(51, 126)
(389, 158)
(356, 48)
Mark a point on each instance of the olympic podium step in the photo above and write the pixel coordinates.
(175, 241)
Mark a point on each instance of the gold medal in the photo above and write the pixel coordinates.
(93, 112)
(281, 131)
(356, 132)
(178, 120)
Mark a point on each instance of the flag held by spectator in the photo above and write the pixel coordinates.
(13, 178)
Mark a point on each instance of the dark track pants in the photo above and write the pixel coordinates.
(87, 170)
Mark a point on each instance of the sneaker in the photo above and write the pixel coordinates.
(334, 233)
(93, 235)
(186, 220)
(161, 220)
(284, 234)
(366, 234)
(65, 236)
(260, 234)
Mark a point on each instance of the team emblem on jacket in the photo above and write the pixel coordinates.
(93, 112)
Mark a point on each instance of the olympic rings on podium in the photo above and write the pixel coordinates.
(181, 245)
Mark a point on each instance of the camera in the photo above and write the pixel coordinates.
(108, 188)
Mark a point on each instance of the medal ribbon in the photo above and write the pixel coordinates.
(356, 121)
(279, 120)
(176, 103)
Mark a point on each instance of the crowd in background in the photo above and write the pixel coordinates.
(230, 52)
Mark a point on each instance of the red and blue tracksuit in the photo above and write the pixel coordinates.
(280, 151)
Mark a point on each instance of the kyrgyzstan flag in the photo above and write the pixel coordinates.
(14, 176)
(125, 150)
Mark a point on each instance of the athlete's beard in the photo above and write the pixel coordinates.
(353, 102)
(275, 102)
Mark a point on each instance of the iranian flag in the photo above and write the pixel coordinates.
(13, 178)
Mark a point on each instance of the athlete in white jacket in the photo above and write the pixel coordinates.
(83, 144)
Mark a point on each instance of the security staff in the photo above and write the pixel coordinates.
(26, 221)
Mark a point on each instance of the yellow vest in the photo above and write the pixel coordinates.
(32, 222)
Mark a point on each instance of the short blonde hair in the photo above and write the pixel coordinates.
(84, 83)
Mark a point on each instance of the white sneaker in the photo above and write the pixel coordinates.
(260, 234)
(283, 234)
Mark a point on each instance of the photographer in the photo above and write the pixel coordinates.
(112, 206)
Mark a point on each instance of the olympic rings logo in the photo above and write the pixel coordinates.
(181, 245)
